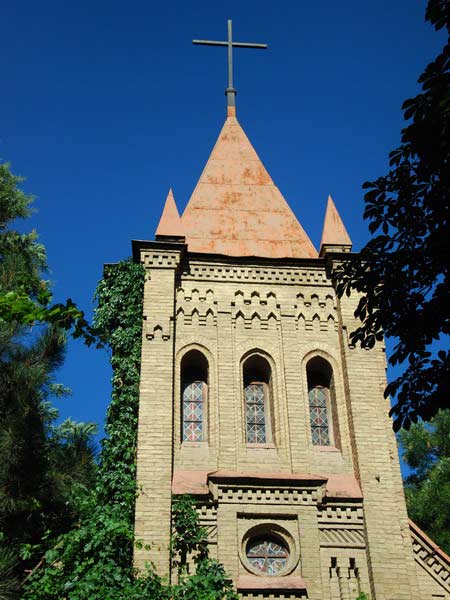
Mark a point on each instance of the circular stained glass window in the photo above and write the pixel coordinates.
(268, 555)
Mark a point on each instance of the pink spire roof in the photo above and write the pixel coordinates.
(334, 232)
(170, 221)
(237, 210)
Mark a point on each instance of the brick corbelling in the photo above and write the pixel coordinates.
(431, 558)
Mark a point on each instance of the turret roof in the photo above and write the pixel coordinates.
(334, 232)
(170, 221)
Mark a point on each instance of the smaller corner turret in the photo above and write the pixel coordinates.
(170, 227)
(334, 234)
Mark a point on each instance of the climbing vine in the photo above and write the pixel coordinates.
(118, 319)
(94, 561)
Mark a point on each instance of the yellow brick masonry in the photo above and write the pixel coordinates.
(288, 313)
(387, 531)
(155, 425)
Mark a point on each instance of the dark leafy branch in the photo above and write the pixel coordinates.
(402, 274)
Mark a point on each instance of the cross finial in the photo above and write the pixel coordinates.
(230, 91)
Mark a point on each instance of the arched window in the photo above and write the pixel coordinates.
(257, 397)
(194, 391)
(321, 402)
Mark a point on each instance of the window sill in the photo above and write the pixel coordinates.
(326, 449)
(255, 446)
(194, 444)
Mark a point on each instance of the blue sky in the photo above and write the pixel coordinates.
(106, 104)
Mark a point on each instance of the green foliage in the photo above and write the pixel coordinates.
(189, 541)
(426, 449)
(209, 583)
(41, 464)
(25, 298)
(187, 537)
(402, 273)
(9, 581)
(93, 561)
(119, 320)
(362, 596)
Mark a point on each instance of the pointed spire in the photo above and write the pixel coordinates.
(334, 235)
(237, 210)
(170, 222)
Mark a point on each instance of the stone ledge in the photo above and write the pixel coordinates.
(338, 487)
(256, 582)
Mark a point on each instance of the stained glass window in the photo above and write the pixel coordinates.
(318, 411)
(193, 405)
(255, 413)
(267, 555)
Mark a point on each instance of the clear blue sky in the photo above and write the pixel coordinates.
(104, 105)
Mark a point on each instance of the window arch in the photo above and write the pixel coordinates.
(257, 376)
(322, 404)
(194, 395)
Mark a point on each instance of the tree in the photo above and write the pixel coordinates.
(25, 297)
(41, 463)
(426, 449)
(402, 274)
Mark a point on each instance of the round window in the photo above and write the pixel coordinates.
(267, 554)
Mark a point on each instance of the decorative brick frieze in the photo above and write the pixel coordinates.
(201, 271)
(258, 319)
(158, 330)
(338, 514)
(342, 538)
(160, 260)
(268, 495)
(195, 296)
(196, 317)
(271, 595)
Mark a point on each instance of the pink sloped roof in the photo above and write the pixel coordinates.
(237, 210)
(170, 221)
(334, 232)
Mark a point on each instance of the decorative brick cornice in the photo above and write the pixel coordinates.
(229, 494)
(161, 260)
(159, 254)
(340, 515)
(195, 271)
(271, 595)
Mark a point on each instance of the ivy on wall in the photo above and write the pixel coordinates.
(94, 561)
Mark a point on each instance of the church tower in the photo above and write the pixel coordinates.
(253, 400)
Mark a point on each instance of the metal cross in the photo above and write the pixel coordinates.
(230, 91)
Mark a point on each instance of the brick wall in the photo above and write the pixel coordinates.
(288, 314)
